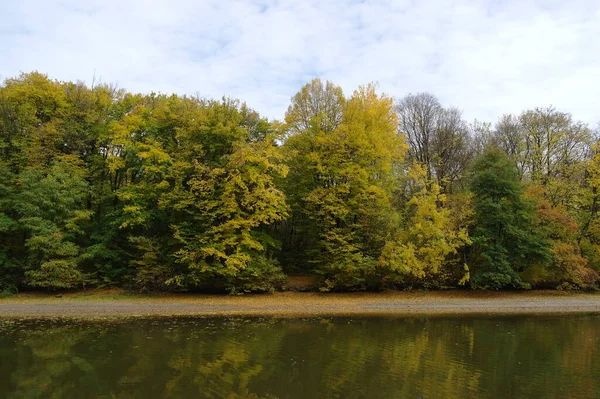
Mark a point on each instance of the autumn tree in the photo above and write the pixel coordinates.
(199, 189)
(315, 111)
(589, 232)
(317, 107)
(420, 253)
(347, 179)
(568, 268)
(548, 148)
(103, 187)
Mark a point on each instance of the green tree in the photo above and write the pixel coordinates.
(504, 239)
(199, 193)
(52, 207)
(230, 205)
(10, 237)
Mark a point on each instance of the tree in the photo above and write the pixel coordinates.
(509, 136)
(315, 111)
(52, 207)
(422, 247)
(568, 269)
(317, 107)
(504, 239)
(549, 149)
(229, 206)
(341, 185)
(553, 142)
(589, 233)
(11, 268)
(418, 116)
(200, 191)
(103, 187)
(438, 138)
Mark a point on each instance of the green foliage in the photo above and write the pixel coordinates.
(8, 291)
(51, 209)
(504, 239)
(10, 267)
(229, 205)
(200, 192)
(102, 187)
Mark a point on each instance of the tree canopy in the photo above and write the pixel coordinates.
(102, 187)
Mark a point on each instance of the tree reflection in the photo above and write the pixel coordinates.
(551, 357)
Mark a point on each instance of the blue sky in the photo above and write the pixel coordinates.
(484, 57)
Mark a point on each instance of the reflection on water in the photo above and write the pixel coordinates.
(499, 357)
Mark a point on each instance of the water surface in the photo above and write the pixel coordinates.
(414, 357)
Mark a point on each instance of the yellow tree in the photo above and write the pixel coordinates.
(343, 175)
(421, 249)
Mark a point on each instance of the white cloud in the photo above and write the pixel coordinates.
(485, 57)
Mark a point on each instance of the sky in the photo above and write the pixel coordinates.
(485, 57)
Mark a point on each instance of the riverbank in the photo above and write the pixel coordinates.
(119, 303)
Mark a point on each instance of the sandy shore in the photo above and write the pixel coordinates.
(99, 304)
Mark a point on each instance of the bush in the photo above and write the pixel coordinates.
(8, 291)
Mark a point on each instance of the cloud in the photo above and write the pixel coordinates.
(484, 57)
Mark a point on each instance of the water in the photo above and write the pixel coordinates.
(472, 357)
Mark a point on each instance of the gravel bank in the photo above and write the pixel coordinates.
(301, 304)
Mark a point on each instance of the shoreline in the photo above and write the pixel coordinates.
(101, 304)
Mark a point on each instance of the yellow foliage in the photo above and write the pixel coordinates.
(422, 248)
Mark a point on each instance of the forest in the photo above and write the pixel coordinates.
(100, 187)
